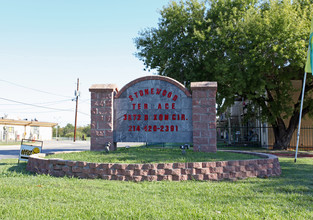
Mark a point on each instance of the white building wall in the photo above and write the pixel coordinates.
(1, 133)
(264, 135)
(45, 133)
(27, 133)
(11, 132)
(236, 109)
(17, 133)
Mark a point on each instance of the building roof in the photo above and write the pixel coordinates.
(26, 123)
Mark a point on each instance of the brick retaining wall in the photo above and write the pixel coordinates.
(220, 170)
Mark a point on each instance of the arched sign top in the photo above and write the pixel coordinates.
(163, 78)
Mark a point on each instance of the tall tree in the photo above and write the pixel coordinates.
(69, 128)
(253, 49)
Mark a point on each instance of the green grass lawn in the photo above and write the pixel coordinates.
(10, 143)
(27, 196)
(150, 155)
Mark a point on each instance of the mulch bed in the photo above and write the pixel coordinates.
(291, 154)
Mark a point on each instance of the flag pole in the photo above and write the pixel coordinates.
(300, 116)
(308, 69)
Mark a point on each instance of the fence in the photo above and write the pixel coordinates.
(305, 141)
(70, 138)
(262, 137)
(241, 136)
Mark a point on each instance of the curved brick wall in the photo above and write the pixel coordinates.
(267, 166)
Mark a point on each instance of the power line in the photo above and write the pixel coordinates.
(22, 107)
(34, 105)
(84, 100)
(83, 113)
(38, 106)
(32, 112)
(45, 112)
(45, 103)
(37, 90)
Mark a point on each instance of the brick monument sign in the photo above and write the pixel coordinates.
(154, 109)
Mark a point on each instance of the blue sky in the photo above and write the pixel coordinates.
(46, 45)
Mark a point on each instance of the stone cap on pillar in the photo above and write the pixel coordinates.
(203, 85)
(102, 87)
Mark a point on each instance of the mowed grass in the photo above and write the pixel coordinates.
(150, 155)
(10, 143)
(24, 195)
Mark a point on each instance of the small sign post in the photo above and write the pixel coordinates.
(29, 147)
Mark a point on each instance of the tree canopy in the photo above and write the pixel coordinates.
(68, 131)
(253, 49)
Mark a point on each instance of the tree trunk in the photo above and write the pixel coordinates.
(282, 139)
(282, 134)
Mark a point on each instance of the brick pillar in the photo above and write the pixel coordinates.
(102, 116)
(204, 116)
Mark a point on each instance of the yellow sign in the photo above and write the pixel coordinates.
(29, 147)
(36, 150)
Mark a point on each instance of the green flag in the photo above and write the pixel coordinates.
(309, 60)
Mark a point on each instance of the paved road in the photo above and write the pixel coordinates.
(12, 151)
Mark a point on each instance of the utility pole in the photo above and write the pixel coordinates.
(56, 133)
(76, 94)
